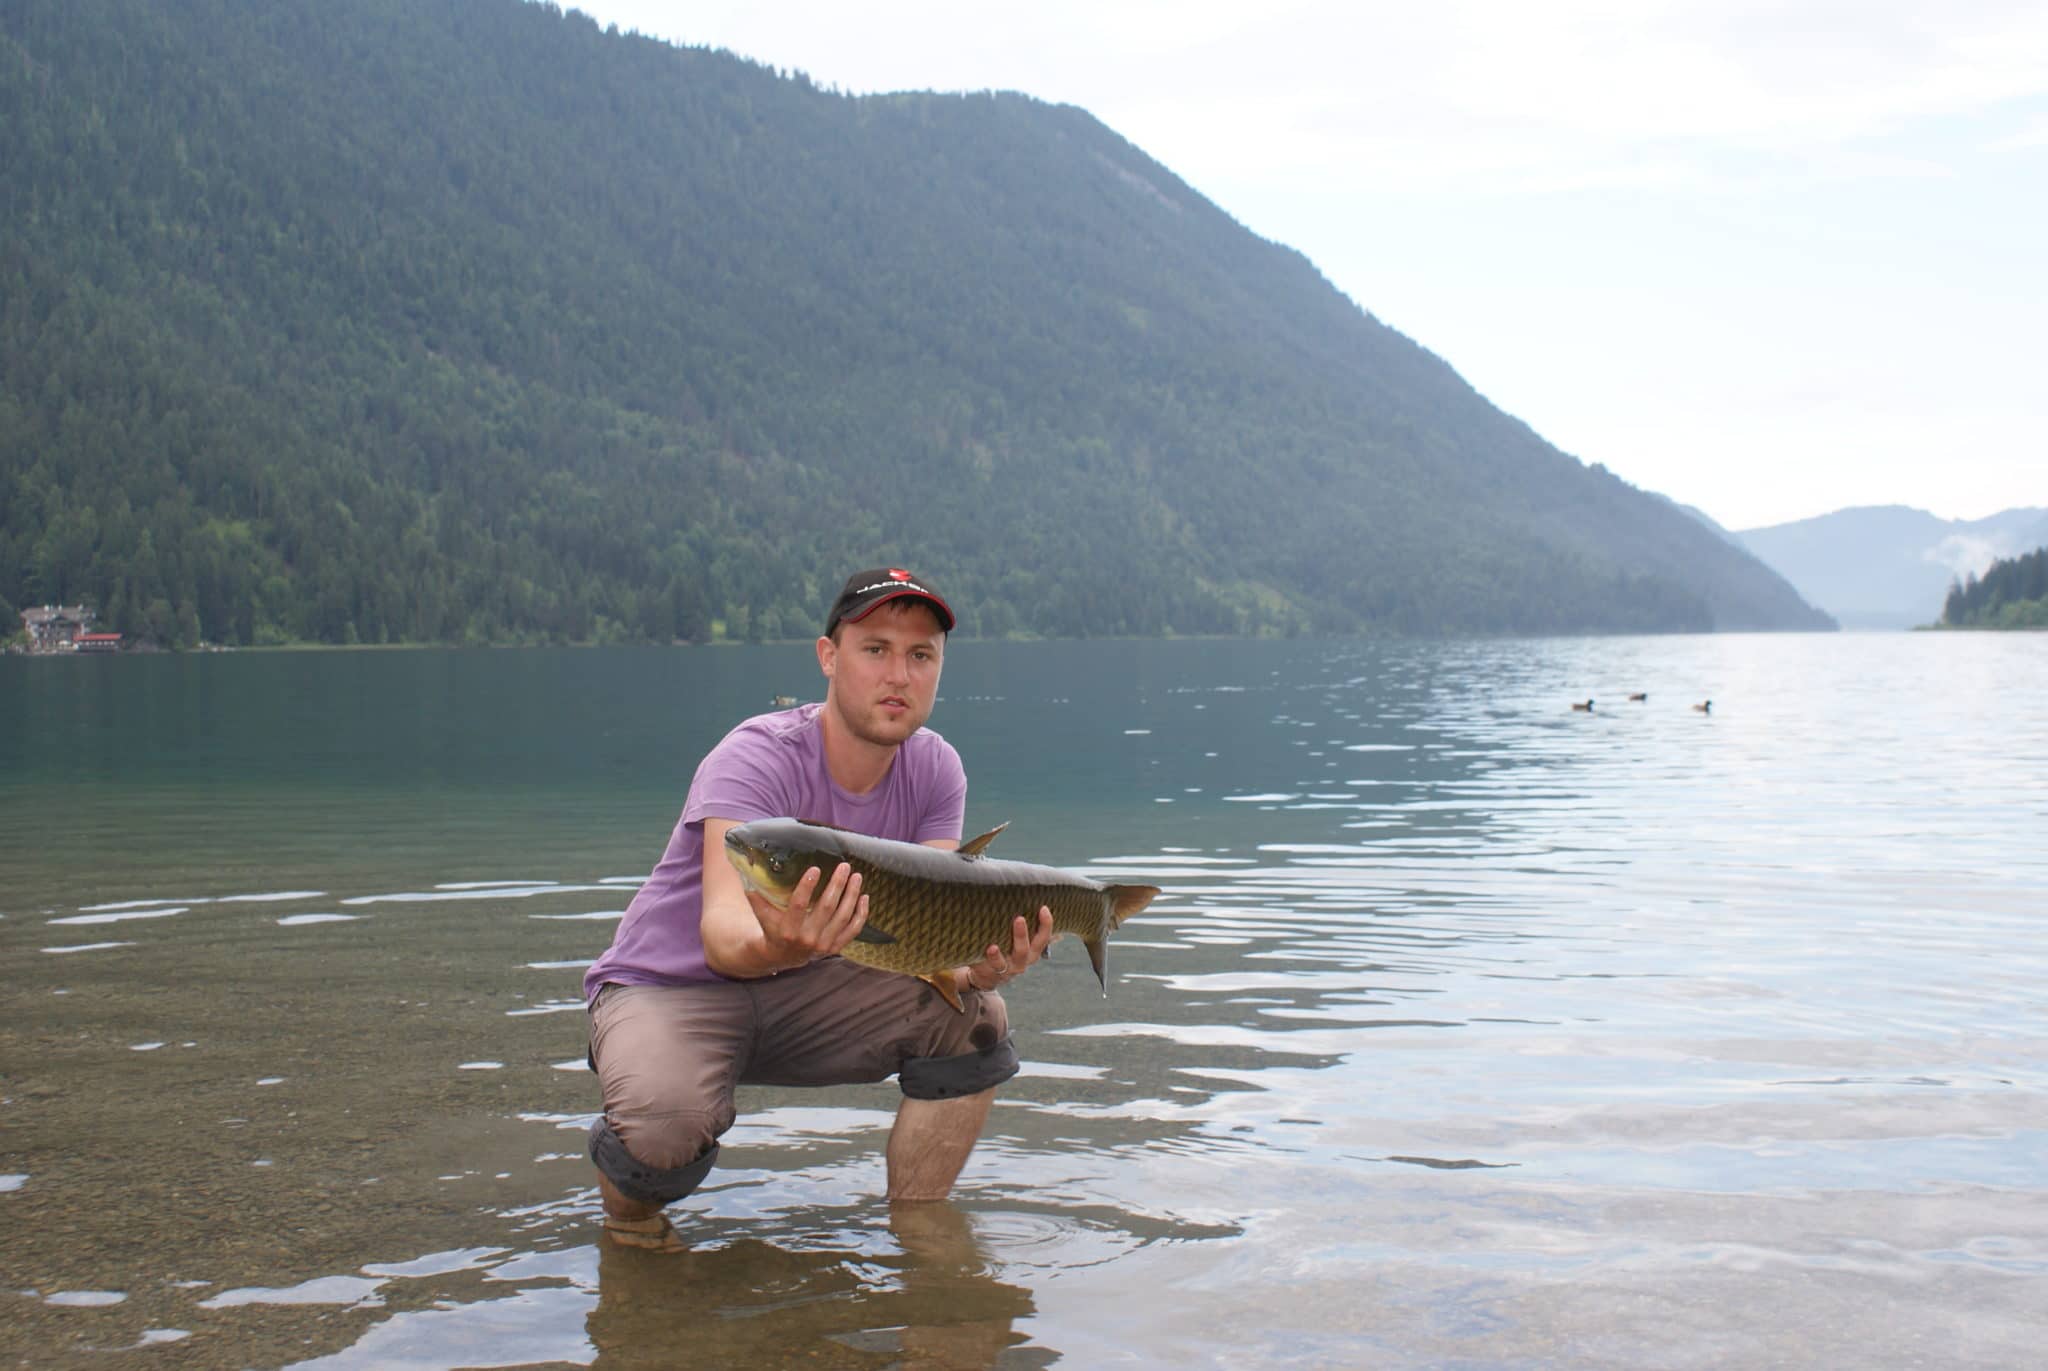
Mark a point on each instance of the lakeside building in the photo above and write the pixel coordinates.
(65, 628)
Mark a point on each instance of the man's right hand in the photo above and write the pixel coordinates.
(818, 922)
(745, 936)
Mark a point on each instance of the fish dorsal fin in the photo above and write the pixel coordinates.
(820, 823)
(974, 847)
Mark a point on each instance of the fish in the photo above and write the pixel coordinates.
(930, 910)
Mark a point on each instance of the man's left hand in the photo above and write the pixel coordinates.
(1026, 947)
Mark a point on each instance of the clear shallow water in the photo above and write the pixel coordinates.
(1471, 1030)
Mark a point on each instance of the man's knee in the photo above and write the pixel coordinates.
(963, 1054)
(669, 1163)
(962, 1073)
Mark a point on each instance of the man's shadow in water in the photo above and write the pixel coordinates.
(751, 1303)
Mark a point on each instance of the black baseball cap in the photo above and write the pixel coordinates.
(867, 589)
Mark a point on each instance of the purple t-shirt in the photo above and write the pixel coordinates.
(772, 766)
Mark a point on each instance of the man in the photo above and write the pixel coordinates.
(707, 986)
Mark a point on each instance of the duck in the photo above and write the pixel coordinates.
(1705, 706)
(1640, 696)
(783, 701)
(1585, 707)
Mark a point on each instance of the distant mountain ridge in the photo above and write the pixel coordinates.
(383, 321)
(1891, 566)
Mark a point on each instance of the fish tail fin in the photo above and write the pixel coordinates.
(1120, 902)
(1126, 900)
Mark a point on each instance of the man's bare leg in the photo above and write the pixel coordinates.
(633, 1223)
(930, 1142)
(617, 1206)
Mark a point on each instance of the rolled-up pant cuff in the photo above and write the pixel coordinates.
(968, 1073)
(638, 1181)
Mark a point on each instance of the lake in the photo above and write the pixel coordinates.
(1470, 1031)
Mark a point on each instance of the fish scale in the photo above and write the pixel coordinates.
(931, 910)
(941, 924)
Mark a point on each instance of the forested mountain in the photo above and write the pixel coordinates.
(466, 320)
(1888, 566)
(2013, 593)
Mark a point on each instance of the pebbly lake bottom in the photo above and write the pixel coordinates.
(1469, 1033)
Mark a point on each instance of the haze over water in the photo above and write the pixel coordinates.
(1470, 1031)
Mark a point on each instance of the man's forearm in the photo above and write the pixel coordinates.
(743, 954)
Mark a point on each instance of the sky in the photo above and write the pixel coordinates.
(1769, 259)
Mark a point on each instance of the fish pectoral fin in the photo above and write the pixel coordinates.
(949, 991)
(974, 847)
(870, 934)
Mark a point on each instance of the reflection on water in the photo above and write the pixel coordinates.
(1470, 1029)
(933, 1303)
(908, 1287)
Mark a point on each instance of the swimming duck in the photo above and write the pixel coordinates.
(1640, 696)
(1705, 706)
(1586, 707)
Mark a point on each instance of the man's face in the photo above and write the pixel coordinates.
(883, 672)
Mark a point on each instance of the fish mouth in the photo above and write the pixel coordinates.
(737, 851)
(753, 870)
(754, 874)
